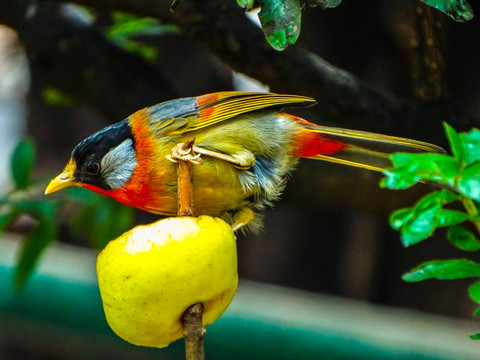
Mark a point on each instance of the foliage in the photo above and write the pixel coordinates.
(459, 175)
(458, 10)
(126, 27)
(94, 215)
(56, 97)
(98, 219)
(281, 19)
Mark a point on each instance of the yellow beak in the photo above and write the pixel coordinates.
(65, 179)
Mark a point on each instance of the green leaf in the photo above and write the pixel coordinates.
(247, 4)
(477, 312)
(281, 22)
(39, 209)
(324, 4)
(456, 145)
(34, 245)
(102, 221)
(443, 197)
(420, 221)
(438, 167)
(7, 218)
(402, 175)
(422, 225)
(22, 163)
(465, 146)
(397, 179)
(475, 336)
(35, 242)
(474, 291)
(471, 143)
(410, 168)
(449, 217)
(425, 219)
(146, 52)
(468, 183)
(458, 10)
(56, 97)
(128, 26)
(83, 221)
(447, 196)
(80, 195)
(443, 270)
(463, 238)
(118, 219)
(400, 217)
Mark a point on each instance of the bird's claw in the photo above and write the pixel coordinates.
(179, 152)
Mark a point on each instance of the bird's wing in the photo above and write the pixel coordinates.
(217, 107)
(190, 114)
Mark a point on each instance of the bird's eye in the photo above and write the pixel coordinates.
(93, 168)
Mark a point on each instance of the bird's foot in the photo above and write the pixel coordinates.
(242, 217)
(185, 152)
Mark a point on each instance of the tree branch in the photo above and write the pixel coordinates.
(222, 28)
(82, 62)
(429, 66)
(193, 330)
(194, 333)
(185, 184)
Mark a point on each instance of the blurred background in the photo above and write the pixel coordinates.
(67, 71)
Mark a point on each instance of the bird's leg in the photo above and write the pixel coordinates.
(242, 162)
(185, 152)
(242, 217)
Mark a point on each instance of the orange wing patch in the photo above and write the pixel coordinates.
(218, 107)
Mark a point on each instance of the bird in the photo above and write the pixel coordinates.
(249, 145)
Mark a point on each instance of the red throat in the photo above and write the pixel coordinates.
(144, 189)
(140, 197)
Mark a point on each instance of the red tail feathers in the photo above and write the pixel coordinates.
(309, 144)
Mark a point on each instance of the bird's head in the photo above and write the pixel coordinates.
(105, 160)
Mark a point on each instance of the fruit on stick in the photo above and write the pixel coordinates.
(151, 274)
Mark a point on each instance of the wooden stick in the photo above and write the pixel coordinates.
(184, 182)
(193, 330)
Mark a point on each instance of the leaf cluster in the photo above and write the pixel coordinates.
(459, 178)
(281, 19)
(126, 28)
(96, 219)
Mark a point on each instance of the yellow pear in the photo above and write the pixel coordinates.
(151, 274)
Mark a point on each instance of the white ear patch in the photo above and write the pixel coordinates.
(118, 164)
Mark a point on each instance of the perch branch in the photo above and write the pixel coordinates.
(193, 330)
(122, 84)
(185, 185)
